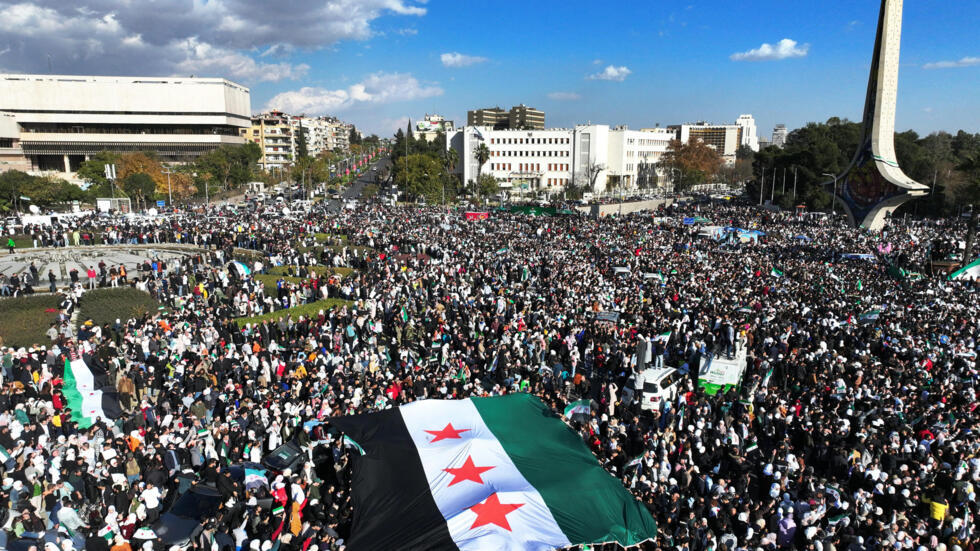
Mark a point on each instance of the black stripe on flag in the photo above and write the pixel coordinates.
(393, 507)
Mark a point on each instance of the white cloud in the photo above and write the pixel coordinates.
(117, 37)
(962, 62)
(784, 49)
(564, 96)
(408, 32)
(456, 59)
(611, 72)
(377, 88)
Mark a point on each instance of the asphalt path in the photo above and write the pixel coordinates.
(356, 188)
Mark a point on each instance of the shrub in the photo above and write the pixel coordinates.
(307, 310)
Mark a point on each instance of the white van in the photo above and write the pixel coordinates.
(656, 385)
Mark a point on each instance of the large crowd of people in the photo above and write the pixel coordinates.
(853, 427)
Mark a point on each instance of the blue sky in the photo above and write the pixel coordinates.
(377, 62)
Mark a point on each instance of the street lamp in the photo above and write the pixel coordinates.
(833, 202)
(170, 191)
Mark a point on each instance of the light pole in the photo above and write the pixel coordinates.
(833, 201)
(762, 185)
(170, 191)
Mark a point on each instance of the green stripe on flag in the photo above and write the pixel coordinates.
(581, 406)
(74, 398)
(776, 272)
(350, 443)
(589, 505)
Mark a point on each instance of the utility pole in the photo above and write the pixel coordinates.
(794, 184)
(170, 191)
(773, 194)
(762, 185)
(783, 192)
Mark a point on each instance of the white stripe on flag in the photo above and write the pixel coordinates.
(532, 525)
(85, 383)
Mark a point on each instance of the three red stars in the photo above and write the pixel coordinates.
(492, 511)
(469, 471)
(446, 433)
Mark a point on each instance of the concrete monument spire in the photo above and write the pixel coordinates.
(873, 184)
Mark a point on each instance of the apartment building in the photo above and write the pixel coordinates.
(273, 132)
(520, 117)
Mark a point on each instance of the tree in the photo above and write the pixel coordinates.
(141, 163)
(487, 185)
(13, 184)
(93, 170)
(450, 159)
(354, 138)
(139, 186)
(696, 161)
(302, 151)
(967, 192)
(592, 172)
(482, 154)
(421, 176)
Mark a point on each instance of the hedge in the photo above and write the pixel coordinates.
(307, 310)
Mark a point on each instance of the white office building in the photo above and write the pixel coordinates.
(63, 120)
(549, 160)
(779, 134)
(750, 137)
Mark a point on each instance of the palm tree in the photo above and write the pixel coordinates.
(451, 158)
(482, 156)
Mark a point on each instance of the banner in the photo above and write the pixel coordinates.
(476, 215)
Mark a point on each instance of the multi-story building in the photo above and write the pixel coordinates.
(273, 132)
(494, 117)
(522, 117)
(552, 159)
(11, 155)
(750, 137)
(779, 134)
(431, 125)
(63, 120)
(724, 138)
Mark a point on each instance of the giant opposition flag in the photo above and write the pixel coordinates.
(483, 473)
(83, 388)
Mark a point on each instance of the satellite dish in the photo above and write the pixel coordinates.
(285, 211)
(152, 212)
(34, 209)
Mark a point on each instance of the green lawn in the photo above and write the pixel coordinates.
(268, 281)
(308, 310)
(24, 241)
(25, 319)
(106, 305)
(284, 270)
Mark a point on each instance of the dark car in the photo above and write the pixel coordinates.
(184, 520)
(287, 456)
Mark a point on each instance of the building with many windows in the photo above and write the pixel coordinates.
(750, 136)
(273, 132)
(11, 155)
(62, 120)
(552, 159)
(779, 135)
(520, 117)
(429, 127)
(724, 138)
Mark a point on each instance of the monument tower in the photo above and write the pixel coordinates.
(873, 185)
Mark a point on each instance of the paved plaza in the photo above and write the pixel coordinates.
(61, 261)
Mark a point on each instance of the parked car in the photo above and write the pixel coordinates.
(185, 519)
(287, 456)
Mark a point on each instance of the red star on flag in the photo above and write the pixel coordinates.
(446, 433)
(492, 511)
(468, 471)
